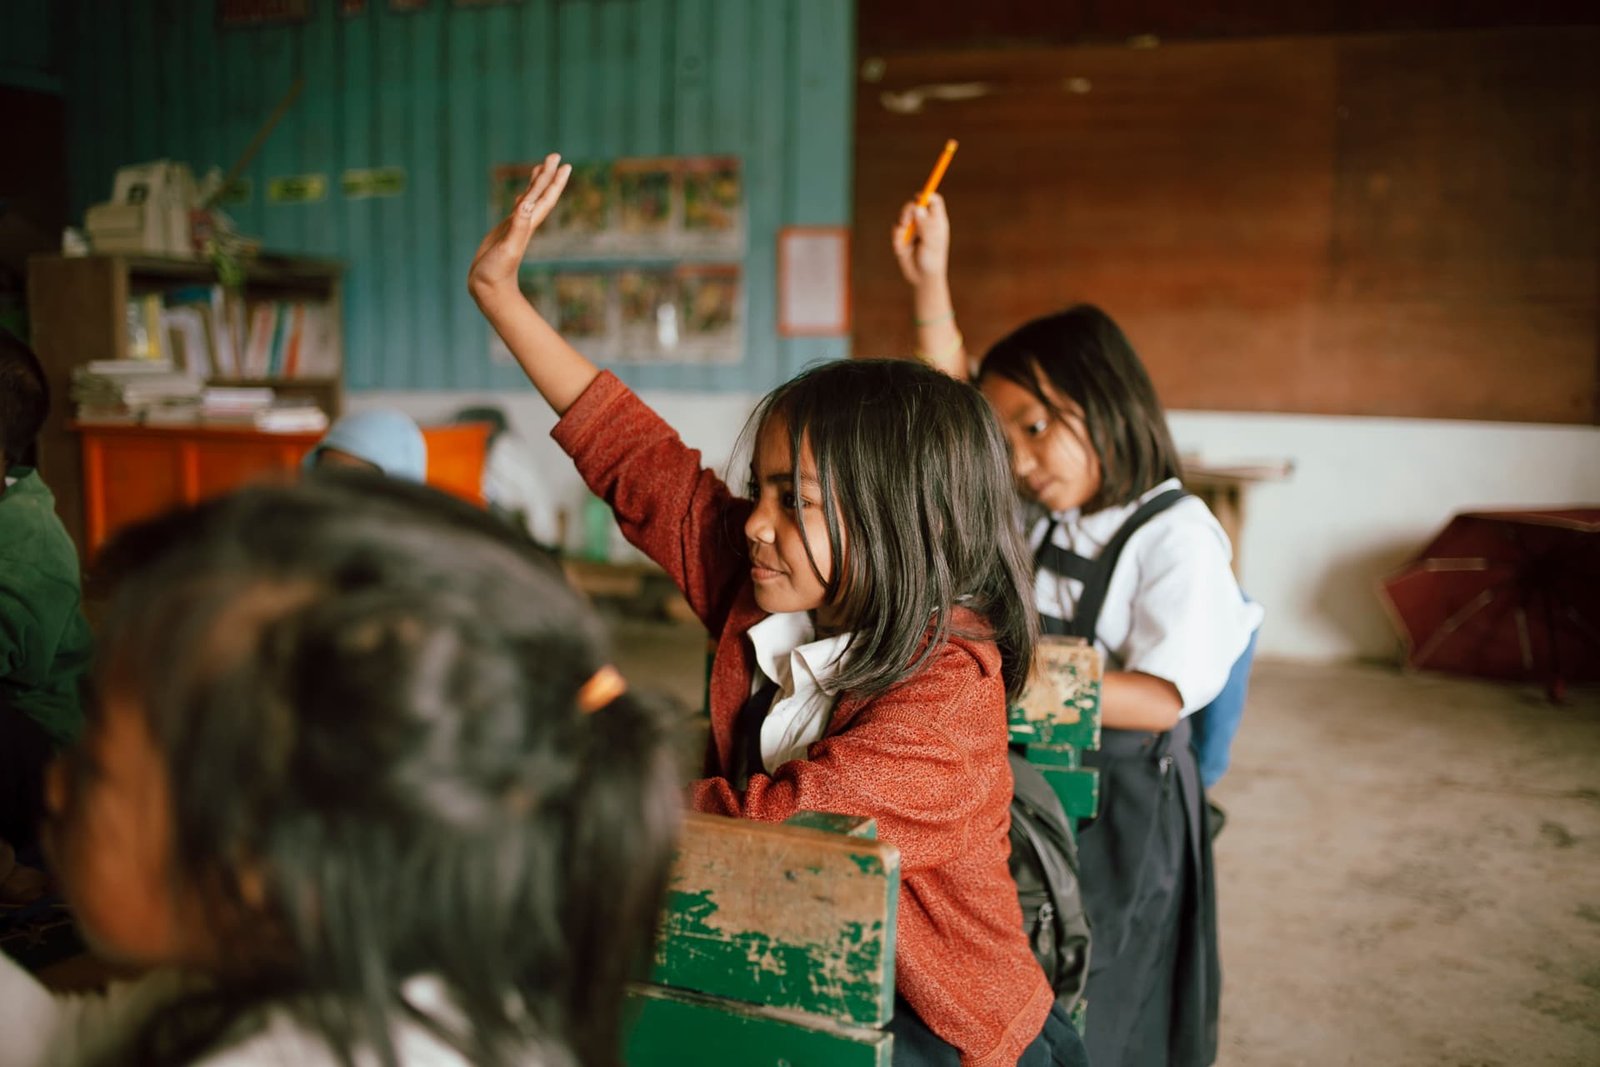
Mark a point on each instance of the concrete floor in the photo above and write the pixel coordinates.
(1410, 873)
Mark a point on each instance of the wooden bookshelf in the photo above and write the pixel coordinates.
(132, 472)
(77, 306)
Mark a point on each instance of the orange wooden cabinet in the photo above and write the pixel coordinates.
(135, 472)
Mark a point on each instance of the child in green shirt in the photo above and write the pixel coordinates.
(44, 639)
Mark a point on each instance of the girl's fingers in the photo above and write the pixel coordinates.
(902, 232)
(539, 206)
(542, 176)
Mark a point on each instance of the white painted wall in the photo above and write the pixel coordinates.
(1364, 496)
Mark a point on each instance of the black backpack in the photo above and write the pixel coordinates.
(1044, 862)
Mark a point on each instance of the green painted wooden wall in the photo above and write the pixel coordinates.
(30, 45)
(447, 92)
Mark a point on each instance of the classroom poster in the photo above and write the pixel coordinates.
(642, 259)
(583, 312)
(709, 299)
(506, 183)
(646, 194)
(582, 217)
(631, 208)
(297, 189)
(713, 205)
(647, 315)
(367, 182)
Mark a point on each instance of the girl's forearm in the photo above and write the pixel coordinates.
(1133, 701)
(560, 372)
(939, 342)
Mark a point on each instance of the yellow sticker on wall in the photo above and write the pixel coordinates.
(378, 181)
(297, 189)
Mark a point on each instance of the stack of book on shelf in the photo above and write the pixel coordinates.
(150, 392)
(261, 408)
(134, 390)
(206, 333)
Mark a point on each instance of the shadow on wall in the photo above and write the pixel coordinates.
(1347, 599)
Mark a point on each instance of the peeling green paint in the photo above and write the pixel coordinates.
(1076, 675)
(867, 862)
(844, 978)
(850, 825)
(1078, 789)
(669, 1030)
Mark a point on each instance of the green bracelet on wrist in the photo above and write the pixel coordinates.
(948, 316)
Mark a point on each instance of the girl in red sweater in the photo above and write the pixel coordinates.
(869, 602)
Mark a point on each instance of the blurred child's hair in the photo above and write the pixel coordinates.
(1084, 356)
(24, 401)
(367, 692)
(921, 516)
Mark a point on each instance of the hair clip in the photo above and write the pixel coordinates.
(603, 686)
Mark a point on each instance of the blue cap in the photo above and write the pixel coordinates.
(384, 437)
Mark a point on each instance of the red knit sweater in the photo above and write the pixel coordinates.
(927, 760)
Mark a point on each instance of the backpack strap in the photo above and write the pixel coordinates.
(1087, 615)
(1063, 561)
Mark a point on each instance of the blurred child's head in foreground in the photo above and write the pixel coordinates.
(337, 743)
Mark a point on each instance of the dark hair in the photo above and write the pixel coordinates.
(368, 689)
(1086, 357)
(24, 401)
(913, 472)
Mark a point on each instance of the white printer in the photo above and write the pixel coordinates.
(148, 212)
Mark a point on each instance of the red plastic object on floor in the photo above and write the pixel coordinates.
(1513, 595)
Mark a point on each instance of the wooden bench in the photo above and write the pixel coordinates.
(1058, 719)
(777, 941)
(777, 947)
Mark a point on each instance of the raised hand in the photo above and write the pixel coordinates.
(501, 252)
(555, 368)
(921, 242)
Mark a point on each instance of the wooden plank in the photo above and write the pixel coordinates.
(1061, 706)
(674, 1029)
(863, 826)
(1079, 789)
(1064, 756)
(785, 917)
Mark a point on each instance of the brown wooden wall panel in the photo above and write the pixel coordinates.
(1370, 225)
(1463, 264)
(895, 25)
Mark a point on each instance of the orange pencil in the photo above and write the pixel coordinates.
(932, 185)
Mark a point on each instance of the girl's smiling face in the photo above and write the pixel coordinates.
(788, 515)
(1051, 456)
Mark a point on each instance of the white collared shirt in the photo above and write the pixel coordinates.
(1173, 608)
(801, 667)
